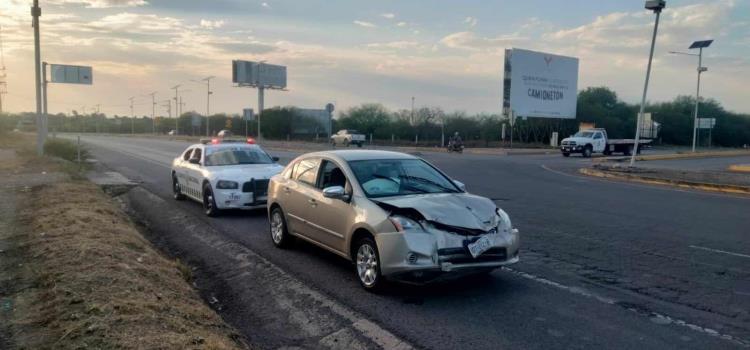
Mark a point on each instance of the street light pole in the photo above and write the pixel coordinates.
(36, 12)
(656, 6)
(132, 116)
(697, 97)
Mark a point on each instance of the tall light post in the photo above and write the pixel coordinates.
(700, 45)
(657, 6)
(207, 81)
(41, 134)
(176, 89)
(153, 111)
(132, 116)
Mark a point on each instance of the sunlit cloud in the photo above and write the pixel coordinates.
(364, 24)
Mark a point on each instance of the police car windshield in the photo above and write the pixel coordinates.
(236, 156)
(586, 134)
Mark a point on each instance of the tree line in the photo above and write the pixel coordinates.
(429, 125)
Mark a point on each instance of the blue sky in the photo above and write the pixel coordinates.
(444, 53)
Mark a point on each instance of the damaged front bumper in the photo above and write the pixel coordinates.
(421, 257)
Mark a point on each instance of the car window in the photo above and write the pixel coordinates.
(186, 155)
(197, 153)
(597, 136)
(331, 175)
(306, 171)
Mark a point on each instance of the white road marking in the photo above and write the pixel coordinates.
(663, 319)
(720, 251)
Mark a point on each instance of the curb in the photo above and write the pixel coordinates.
(685, 155)
(743, 168)
(704, 186)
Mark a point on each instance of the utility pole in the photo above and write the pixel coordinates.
(153, 112)
(41, 135)
(176, 89)
(96, 117)
(44, 94)
(412, 111)
(3, 76)
(207, 81)
(132, 116)
(657, 7)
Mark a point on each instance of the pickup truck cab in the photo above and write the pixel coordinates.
(348, 137)
(590, 141)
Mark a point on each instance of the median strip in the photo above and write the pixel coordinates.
(666, 180)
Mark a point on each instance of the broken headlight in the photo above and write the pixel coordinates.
(503, 220)
(404, 224)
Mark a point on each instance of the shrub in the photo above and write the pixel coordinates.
(65, 149)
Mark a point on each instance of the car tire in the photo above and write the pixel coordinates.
(628, 150)
(279, 232)
(367, 265)
(587, 152)
(209, 202)
(176, 190)
(565, 154)
(359, 144)
(346, 143)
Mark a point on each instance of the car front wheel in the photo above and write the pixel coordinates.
(367, 260)
(176, 190)
(209, 202)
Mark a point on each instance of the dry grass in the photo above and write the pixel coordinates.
(91, 281)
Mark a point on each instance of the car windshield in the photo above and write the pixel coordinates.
(586, 134)
(398, 177)
(236, 156)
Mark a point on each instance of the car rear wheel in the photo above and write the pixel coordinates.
(346, 143)
(359, 144)
(176, 190)
(279, 232)
(367, 260)
(566, 154)
(209, 202)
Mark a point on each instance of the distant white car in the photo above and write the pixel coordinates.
(224, 133)
(224, 174)
(348, 137)
(172, 133)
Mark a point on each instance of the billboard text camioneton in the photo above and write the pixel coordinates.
(540, 84)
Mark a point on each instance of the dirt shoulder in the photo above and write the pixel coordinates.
(75, 273)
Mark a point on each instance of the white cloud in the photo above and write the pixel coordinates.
(364, 24)
(402, 44)
(266, 5)
(471, 21)
(389, 15)
(103, 3)
(470, 41)
(212, 24)
(401, 24)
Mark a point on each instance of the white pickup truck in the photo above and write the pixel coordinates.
(348, 137)
(592, 141)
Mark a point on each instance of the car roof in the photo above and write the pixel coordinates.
(225, 145)
(354, 155)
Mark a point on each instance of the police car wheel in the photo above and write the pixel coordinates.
(176, 191)
(209, 202)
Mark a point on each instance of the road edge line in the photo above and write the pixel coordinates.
(732, 189)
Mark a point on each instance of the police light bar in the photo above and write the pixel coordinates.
(217, 140)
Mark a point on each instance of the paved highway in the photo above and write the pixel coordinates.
(604, 264)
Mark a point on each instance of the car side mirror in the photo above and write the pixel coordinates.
(275, 159)
(336, 192)
(460, 185)
(194, 161)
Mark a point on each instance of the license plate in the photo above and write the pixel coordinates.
(234, 196)
(480, 246)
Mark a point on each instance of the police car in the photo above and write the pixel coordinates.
(224, 174)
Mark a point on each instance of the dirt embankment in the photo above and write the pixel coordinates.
(76, 274)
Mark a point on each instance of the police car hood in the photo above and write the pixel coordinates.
(451, 209)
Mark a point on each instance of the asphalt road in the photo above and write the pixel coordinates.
(604, 264)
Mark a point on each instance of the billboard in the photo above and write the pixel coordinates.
(71, 74)
(259, 74)
(248, 114)
(311, 121)
(538, 84)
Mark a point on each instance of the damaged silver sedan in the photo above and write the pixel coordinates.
(396, 216)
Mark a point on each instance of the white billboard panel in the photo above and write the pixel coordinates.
(248, 114)
(259, 74)
(66, 74)
(542, 85)
(706, 123)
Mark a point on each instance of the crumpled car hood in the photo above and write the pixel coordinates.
(452, 209)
